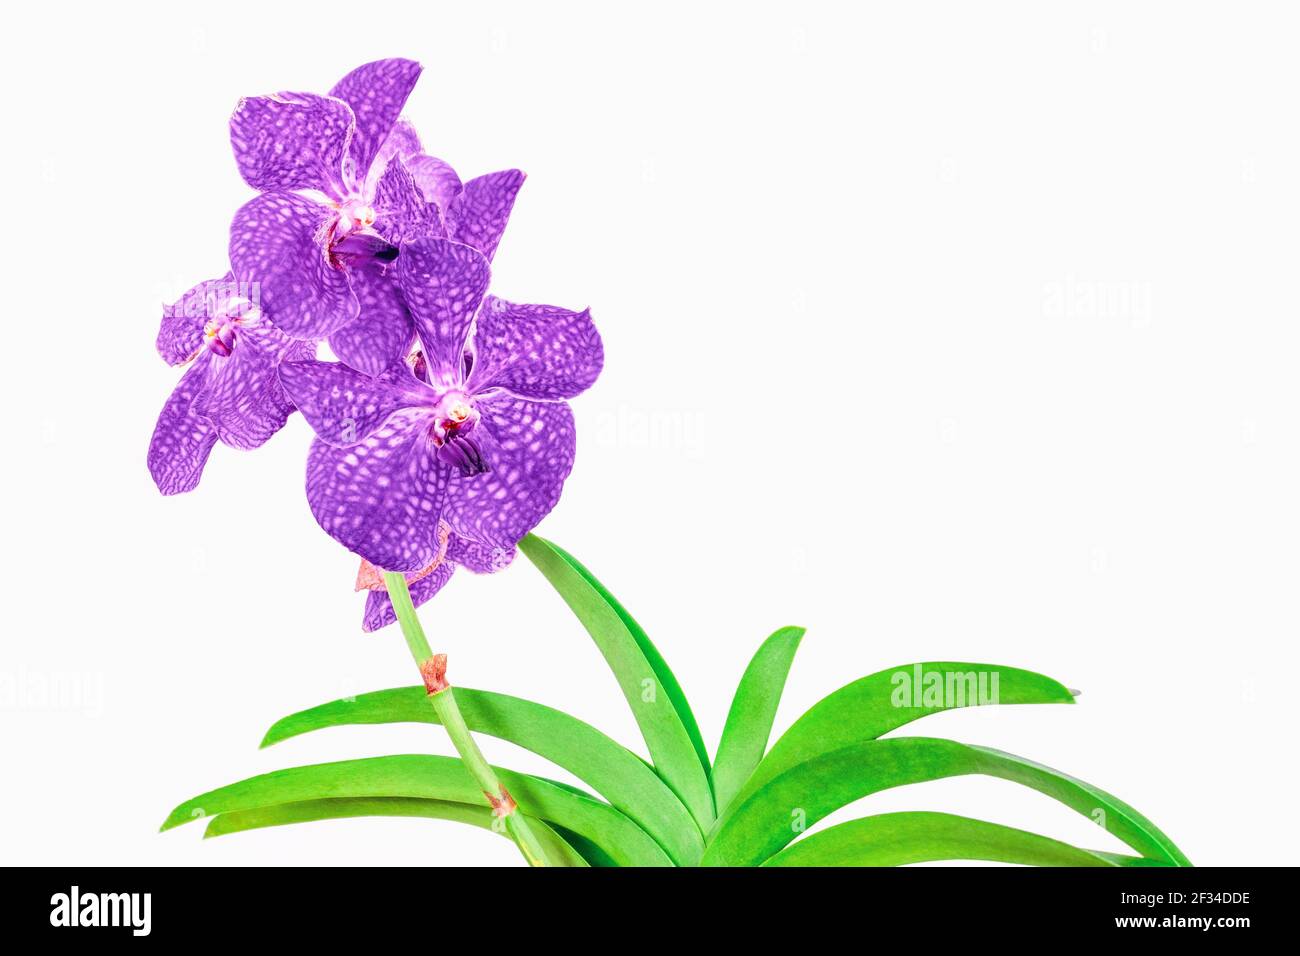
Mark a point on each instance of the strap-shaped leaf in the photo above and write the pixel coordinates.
(651, 690)
(1109, 811)
(593, 854)
(753, 710)
(612, 770)
(759, 825)
(337, 808)
(888, 699)
(897, 839)
(435, 778)
(667, 679)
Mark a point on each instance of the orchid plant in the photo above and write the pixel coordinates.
(443, 438)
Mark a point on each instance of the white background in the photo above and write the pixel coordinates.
(945, 332)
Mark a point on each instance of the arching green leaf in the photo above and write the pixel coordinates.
(336, 808)
(657, 701)
(753, 710)
(613, 771)
(435, 778)
(759, 825)
(888, 699)
(897, 839)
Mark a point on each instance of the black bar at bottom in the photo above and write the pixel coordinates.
(929, 906)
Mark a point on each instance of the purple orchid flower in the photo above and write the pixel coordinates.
(322, 258)
(474, 212)
(477, 437)
(230, 392)
(334, 147)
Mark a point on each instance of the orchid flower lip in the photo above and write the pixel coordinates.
(452, 423)
(462, 451)
(219, 332)
(353, 217)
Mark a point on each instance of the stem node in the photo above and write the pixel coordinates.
(503, 805)
(433, 669)
(434, 672)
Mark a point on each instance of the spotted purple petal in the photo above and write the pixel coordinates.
(443, 283)
(298, 351)
(402, 141)
(376, 92)
(382, 497)
(476, 557)
(343, 405)
(478, 214)
(244, 399)
(534, 351)
(530, 457)
(382, 333)
(291, 141)
(436, 179)
(403, 214)
(379, 606)
(182, 439)
(180, 335)
(277, 245)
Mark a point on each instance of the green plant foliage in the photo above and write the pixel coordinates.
(748, 807)
(760, 825)
(753, 711)
(656, 699)
(895, 839)
(437, 778)
(338, 808)
(872, 706)
(609, 768)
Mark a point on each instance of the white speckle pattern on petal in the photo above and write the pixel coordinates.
(531, 455)
(443, 283)
(535, 351)
(277, 246)
(403, 214)
(436, 179)
(382, 333)
(476, 557)
(182, 439)
(376, 92)
(478, 215)
(382, 497)
(244, 399)
(346, 406)
(291, 141)
(403, 141)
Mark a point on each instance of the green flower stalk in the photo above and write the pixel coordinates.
(433, 671)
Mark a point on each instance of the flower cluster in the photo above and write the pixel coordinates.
(442, 433)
